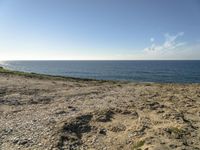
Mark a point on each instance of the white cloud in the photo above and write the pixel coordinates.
(169, 43)
(171, 49)
(191, 51)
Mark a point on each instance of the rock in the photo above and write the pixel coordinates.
(40, 144)
(8, 130)
(24, 142)
(102, 131)
(60, 112)
(72, 108)
(15, 140)
(102, 118)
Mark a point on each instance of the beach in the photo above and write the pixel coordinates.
(41, 112)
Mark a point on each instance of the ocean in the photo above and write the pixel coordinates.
(138, 71)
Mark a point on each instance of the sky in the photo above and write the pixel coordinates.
(99, 29)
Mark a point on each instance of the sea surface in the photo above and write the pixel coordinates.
(141, 71)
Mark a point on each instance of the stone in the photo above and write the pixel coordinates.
(102, 131)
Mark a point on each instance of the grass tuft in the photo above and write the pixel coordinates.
(176, 130)
(137, 145)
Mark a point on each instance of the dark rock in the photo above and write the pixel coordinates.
(7, 131)
(72, 108)
(102, 131)
(15, 141)
(24, 142)
(60, 112)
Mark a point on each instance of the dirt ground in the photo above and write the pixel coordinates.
(53, 114)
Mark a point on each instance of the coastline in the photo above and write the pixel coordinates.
(55, 77)
(55, 112)
(132, 71)
(61, 77)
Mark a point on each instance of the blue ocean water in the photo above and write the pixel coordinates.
(142, 71)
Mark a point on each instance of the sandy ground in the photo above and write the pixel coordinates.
(51, 114)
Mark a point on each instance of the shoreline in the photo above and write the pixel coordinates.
(61, 77)
(47, 76)
(55, 113)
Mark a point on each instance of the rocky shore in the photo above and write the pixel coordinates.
(40, 112)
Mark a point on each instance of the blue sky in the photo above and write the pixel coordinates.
(99, 29)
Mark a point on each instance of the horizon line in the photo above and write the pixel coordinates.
(106, 60)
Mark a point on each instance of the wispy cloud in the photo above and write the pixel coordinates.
(172, 48)
(169, 43)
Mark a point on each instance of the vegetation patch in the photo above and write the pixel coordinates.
(137, 145)
(176, 130)
(103, 115)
